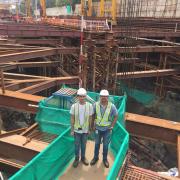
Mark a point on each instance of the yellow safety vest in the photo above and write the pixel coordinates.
(85, 125)
(103, 121)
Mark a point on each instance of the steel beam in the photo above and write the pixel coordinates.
(34, 54)
(31, 30)
(147, 33)
(9, 166)
(18, 76)
(19, 101)
(16, 26)
(40, 33)
(34, 64)
(43, 84)
(38, 87)
(149, 73)
(142, 49)
(10, 66)
(16, 131)
(60, 80)
(16, 152)
(137, 125)
(43, 42)
(152, 128)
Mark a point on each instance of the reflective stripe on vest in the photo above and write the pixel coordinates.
(103, 121)
(85, 125)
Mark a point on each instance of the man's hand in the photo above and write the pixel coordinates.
(111, 128)
(93, 128)
(72, 133)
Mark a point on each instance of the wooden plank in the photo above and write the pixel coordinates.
(22, 96)
(153, 121)
(29, 129)
(152, 128)
(20, 140)
(11, 163)
(4, 134)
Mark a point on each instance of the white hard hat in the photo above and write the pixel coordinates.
(81, 92)
(104, 92)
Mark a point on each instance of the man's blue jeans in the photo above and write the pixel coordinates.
(80, 141)
(106, 136)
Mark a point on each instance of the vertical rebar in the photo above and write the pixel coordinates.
(2, 81)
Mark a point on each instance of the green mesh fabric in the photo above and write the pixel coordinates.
(68, 8)
(52, 162)
(119, 147)
(140, 96)
(52, 120)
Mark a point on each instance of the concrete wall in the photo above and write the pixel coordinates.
(153, 8)
(57, 11)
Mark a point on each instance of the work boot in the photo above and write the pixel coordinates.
(106, 163)
(75, 163)
(93, 161)
(85, 161)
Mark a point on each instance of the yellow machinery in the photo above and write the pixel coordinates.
(112, 10)
(43, 6)
(86, 8)
(28, 7)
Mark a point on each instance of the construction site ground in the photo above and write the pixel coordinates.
(82, 172)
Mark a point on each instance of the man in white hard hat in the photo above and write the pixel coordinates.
(81, 117)
(105, 117)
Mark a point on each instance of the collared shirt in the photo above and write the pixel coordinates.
(113, 113)
(81, 115)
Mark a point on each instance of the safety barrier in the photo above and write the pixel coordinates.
(52, 162)
(91, 25)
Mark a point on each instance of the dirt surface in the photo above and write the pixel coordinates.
(82, 172)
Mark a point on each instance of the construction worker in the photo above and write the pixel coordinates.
(81, 116)
(105, 117)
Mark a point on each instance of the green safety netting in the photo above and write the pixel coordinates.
(51, 162)
(68, 8)
(140, 96)
(52, 118)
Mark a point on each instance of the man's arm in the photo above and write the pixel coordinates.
(115, 113)
(114, 121)
(90, 123)
(93, 122)
(72, 124)
(93, 117)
